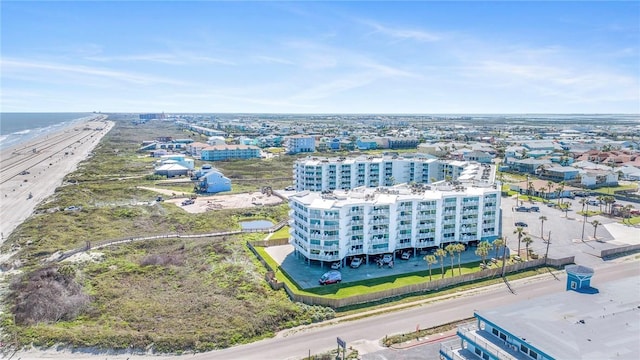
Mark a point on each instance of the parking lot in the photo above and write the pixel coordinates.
(307, 275)
(566, 230)
(566, 240)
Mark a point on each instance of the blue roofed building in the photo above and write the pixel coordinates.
(601, 324)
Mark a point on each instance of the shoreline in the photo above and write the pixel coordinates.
(31, 171)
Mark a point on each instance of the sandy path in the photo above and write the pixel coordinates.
(39, 166)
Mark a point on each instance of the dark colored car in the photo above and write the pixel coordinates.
(521, 224)
(522, 209)
(534, 208)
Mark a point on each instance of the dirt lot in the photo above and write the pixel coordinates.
(216, 202)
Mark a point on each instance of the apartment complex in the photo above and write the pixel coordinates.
(322, 174)
(338, 225)
(300, 143)
(229, 152)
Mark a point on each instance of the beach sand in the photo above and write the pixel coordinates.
(30, 172)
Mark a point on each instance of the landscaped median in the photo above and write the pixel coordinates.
(343, 295)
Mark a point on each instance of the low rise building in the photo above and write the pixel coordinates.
(300, 144)
(597, 324)
(229, 152)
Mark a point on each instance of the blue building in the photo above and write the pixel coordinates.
(563, 325)
(213, 182)
(300, 144)
(229, 152)
(579, 278)
(367, 144)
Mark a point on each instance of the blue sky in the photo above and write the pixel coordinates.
(321, 57)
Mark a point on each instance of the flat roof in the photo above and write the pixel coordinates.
(574, 325)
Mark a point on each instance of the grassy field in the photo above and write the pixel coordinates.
(167, 295)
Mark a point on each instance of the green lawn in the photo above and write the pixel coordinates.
(281, 234)
(345, 290)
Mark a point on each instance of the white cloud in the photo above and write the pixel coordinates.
(401, 33)
(11, 66)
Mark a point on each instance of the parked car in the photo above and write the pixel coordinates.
(534, 208)
(387, 258)
(356, 262)
(406, 255)
(330, 277)
(336, 265)
(522, 209)
(593, 202)
(188, 202)
(289, 188)
(521, 224)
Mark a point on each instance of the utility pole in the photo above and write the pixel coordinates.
(546, 254)
(504, 254)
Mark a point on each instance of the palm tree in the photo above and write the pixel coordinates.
(451, 249)
(595, 224)
(519, 231)
(483, 251)
(527, 241)
(441, 254)
(600, 199)
(560, 188)
(626, 212)
(549, 187)
(459, 248)
(542, 220)
(565, 207)
(430, 259)
(584, 202)
(497, 244)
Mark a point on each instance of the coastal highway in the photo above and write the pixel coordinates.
(366, 332)
(318, 339)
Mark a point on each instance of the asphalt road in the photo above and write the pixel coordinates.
(367, 331)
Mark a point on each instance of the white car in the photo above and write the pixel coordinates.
(356, 262)
(406, 255)
(336, 265)
(387, 258)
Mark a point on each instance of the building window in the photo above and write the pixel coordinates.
(574, 285)
(524, 349)
(494, 331)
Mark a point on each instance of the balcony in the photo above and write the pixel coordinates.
(379, 222)
(489, 343)
(355, 232)
(324, 257)
(378, 231)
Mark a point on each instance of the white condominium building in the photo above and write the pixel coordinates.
(321, 174)
(334, 226)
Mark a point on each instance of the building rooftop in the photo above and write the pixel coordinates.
(573, 325)
(386, 195)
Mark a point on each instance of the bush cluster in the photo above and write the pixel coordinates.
(47, 295)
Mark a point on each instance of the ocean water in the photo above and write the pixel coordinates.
(17, 128)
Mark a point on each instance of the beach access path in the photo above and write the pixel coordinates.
(30, 172)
